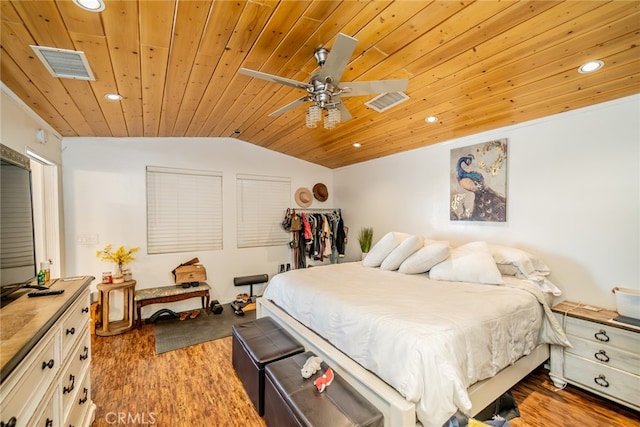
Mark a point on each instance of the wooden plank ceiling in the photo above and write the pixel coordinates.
(476, 65)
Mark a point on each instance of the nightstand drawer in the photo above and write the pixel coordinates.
(602, 334)
(603, 379)
(605, 355)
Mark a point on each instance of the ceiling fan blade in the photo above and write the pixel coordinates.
(290, 106)
(338, 58)
(274, 79)
(344, 112)
(374, 87)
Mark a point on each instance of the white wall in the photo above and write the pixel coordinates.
(18, 129)
(573, 197)
(104, 182)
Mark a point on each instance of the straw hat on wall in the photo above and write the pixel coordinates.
(303, 197)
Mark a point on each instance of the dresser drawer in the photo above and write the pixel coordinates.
(27, 384)
(74, 372)
(75, 322)
(80, 405)
(602, 379)
(46, 415)
(602, 334)
(605, 354)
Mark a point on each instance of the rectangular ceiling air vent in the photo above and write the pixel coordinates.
(385, 101)
(64, 63)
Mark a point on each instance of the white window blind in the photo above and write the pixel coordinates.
(184, 210)
(261, 204)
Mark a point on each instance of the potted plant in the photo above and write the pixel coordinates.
(365, 238)
(120, 257)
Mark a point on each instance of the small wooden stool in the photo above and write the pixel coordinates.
(106, 327)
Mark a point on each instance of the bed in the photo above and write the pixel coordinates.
(419, 349)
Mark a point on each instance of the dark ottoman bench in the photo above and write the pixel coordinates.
(291, 400)
(255, 344)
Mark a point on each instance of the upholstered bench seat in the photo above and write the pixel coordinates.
(291, 400)
(256, 344)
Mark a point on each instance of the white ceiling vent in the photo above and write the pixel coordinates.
(64, 63)
(386, 100)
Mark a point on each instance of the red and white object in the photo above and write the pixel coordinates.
(324, 381)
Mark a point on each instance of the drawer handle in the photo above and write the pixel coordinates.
(85, 309)
(602, 356)
(11, 423)
(601, 381)
(71, 331)
(85, 356)
(72, 379)
(48, 423)
(48, 364)
(84, 399)
(601, 336)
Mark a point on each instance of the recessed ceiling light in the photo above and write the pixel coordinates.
(431, 119)
(90, 5)
(357, 144)
(113, 96)
(590, 66)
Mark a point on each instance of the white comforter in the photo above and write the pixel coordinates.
(428, 339)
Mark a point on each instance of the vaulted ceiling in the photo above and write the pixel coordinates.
(476, 65)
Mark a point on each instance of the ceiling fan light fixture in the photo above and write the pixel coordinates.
(311, 124)
(313, 116)
(332, 118)
(334, 115)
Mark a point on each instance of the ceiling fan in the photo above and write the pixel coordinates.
(325, 88)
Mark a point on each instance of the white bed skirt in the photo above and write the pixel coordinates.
(397, 411)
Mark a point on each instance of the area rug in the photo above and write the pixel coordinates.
(173, 334)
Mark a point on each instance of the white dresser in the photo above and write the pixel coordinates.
(605, 358)
(46, 356)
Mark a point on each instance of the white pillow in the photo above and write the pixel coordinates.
(401, 252)
(468, 263)
(509, 270)
(383, 247)
(527, 264)
(432, 253)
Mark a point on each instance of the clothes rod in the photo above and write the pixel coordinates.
(306, 210)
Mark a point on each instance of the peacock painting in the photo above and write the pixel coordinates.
(479, 182)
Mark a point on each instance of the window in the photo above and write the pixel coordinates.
(261, 204)
(184, 210)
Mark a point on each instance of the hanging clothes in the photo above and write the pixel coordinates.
(321, 235)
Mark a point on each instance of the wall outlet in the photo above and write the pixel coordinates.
(87, 239)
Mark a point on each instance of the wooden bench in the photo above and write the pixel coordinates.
(170, 293)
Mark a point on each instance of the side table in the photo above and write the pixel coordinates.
(106, 327)
(605, 357)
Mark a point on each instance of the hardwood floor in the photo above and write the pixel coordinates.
(197, 387)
